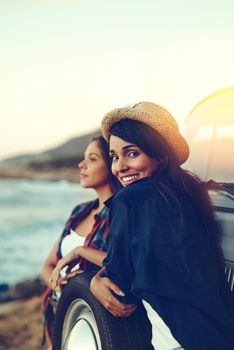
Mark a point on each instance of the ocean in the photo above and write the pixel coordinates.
(32, 216)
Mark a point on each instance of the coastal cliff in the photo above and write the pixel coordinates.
(56, 164)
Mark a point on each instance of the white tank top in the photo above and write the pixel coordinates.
(70, 242)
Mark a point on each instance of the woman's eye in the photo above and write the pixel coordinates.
(113, 157)
(133, 154)
(92, 159)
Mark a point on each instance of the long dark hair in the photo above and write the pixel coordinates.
(169, 177)
(115, 184)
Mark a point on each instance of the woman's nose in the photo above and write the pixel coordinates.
(81, 164)
(121, 165)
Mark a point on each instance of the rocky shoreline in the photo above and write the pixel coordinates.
(21, 319)
(21, 290)
(68, 174)
(21, 325)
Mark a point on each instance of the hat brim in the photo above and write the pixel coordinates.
(171, 134)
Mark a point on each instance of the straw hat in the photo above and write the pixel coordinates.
(157, 118)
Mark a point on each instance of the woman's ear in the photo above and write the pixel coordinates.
(161, 166)
(162, 163)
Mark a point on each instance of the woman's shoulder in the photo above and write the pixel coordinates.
(140, 190)
(79, 211)
(84, 206)
(144, 193)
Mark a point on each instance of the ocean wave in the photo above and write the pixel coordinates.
(33, 214)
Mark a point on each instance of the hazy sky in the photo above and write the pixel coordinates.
(63, 64)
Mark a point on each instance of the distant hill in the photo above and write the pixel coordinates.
(63, 155)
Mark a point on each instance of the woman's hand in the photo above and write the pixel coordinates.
(55, 278)
(101, 288)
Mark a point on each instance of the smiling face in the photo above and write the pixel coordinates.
(129, 162)
(93, 169)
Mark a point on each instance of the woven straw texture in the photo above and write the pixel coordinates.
(157, 118)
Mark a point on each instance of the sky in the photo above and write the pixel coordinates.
(65, 63)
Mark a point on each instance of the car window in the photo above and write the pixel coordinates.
(200, 143)
(211, 152)
(221, 160)
(209, 130)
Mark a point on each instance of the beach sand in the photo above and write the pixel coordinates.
(21, 325)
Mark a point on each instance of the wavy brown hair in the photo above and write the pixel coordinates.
(169, 177)
(115, 184)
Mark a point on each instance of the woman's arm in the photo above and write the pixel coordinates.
(102, 288)
(118, 272)
(95, 256)
(49, 265)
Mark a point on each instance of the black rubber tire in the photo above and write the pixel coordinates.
(116, 333)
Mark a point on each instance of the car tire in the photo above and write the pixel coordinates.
(81, 322)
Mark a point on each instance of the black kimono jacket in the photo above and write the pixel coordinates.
(167, 259)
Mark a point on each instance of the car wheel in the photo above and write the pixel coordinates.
(81, 322)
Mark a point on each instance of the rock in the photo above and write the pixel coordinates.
(4, 288)
(22, 290)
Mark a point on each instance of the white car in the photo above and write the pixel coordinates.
(209, 131)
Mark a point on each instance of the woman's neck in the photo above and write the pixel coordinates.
(103, 194)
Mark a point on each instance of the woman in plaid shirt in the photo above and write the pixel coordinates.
(84, 234)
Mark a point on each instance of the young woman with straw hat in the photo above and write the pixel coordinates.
(163, 238)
